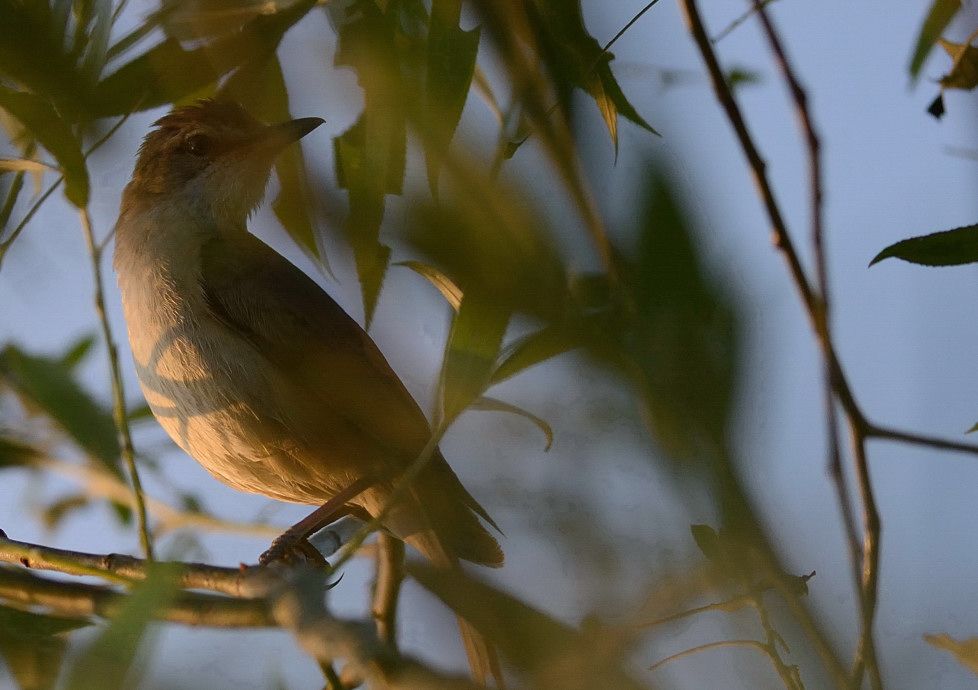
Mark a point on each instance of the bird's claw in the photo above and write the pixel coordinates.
(292, 551)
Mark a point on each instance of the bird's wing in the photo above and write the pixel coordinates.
(290, 320)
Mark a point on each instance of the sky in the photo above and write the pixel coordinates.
(905, 335)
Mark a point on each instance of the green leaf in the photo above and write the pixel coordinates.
(16, 454)
(964, 70)
(33, 56)
(48, 384)
(33, 646)
(576, 59)
(947, 248)
(111, 656)
(470, 354)
(488, 404)
(708, 541)
(167, 73)
(78, 350)
(370, 156)
(448, 289)
(451, 64)
(537, 347)
(46, 125)
(537, 645)
(965, 652)
(938, 18)
(259, 85)
(678, 333)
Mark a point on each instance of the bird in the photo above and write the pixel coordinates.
(255, 371)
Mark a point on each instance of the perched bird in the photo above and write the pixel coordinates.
(253, 369)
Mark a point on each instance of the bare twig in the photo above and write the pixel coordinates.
(713, 645)
(23, 589)
(387, 586)
(118, 395)
(865, 559)
(812, 301)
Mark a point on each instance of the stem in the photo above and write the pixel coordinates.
(118, 395)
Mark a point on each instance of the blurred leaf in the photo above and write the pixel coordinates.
(739, 76)
(22, 164)
(486, 238)
(470, 354)
(451, 63)
(947, 248)
(553, 654)
(964, 71)
(33, 646)
(150, 24)
(96, 29)
(195, 20)
(78, 351)
(54, 134)
(576, 59)
(16, 454)
(54, 513)
(449, 290)
(938, 18)
(48, 384)
(936, 108)
(33, 56)
(708, 541)
(493, 405)
(140, 413)
(259, 85)
(537, 347)
(370, 155)
(679, 334)
(167, 73)
(107, 661)
(965, 652)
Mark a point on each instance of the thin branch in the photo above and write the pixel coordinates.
(118, 395)
(737, 22)
(869, 561)
(811, 300)
(99, 482)
(22, 589)
(5, 245)
(874, 431)
(712, 645)
(387, 586)
(607, 46)
(730, 605)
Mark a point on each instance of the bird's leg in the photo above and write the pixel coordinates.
(293, 543)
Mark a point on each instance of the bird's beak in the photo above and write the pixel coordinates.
(276, 137)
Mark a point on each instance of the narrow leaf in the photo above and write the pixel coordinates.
(54, 134)
(947, 248)
(449, 290)
(966, 652)
(110, 657)
(451, 63)
(48, 385)
(938, 18)
(167, 73)
(470, 354)
(493, 405)
(708, 541)
(535, 348)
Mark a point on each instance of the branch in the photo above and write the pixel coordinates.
(387, 586)
(291, 598)
(118, 394)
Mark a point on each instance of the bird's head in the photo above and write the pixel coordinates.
(213, 157)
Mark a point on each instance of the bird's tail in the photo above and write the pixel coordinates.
(483, 658)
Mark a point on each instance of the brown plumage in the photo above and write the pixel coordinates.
(251, 367)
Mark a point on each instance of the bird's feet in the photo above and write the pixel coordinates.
(292, 550)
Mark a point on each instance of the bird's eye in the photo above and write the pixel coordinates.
(199, 145)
